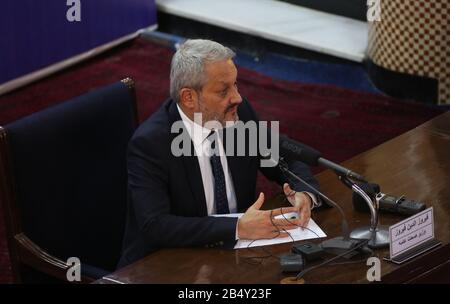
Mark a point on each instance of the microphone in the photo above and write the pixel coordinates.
(294, 150)
(378, 236)
(386, 202)
(337, 244)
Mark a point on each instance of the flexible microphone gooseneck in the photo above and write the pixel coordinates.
(285, 169)
(377, 235)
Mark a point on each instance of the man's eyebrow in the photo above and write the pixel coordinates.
(224, 84)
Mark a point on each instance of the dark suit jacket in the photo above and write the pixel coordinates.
(166, 203)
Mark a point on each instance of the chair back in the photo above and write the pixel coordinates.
(63, 180)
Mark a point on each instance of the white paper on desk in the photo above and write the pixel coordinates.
(297, 234)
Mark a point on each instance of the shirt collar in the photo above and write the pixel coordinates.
(197, 132)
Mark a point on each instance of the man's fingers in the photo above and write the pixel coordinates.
(286, 223)
(286, 187)
(304, 218)
(259, 202)
(282, 234)
(284, 210)
(287, 190)
(277, 234)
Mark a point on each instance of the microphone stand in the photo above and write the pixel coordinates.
(377, 235)
(338, 244)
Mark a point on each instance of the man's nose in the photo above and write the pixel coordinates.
(236, 98)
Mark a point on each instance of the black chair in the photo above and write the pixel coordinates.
(63, 184)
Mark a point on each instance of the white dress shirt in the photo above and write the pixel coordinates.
(202, 148)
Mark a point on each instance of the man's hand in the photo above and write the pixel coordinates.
(301, 202)
(258, 224)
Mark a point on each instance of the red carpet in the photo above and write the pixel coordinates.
(339, 122)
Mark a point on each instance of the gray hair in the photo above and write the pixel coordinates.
(188, 63)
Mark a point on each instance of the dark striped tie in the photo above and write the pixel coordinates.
(220, 190)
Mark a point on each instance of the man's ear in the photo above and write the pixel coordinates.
(188, 98)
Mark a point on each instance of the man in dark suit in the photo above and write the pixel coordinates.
(172, 198)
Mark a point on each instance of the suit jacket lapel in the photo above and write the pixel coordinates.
(194, 177)
(192, 172)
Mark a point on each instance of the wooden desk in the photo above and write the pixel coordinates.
(416, 164)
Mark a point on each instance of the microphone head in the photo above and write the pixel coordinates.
(294, 150)
(359, 203)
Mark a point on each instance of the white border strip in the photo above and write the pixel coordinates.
(170, 8)
(113, 280)
(39, 74)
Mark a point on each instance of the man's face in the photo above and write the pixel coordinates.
(219, 98)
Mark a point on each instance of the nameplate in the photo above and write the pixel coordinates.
(411, 233)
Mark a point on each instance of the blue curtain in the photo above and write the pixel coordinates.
(37, 33)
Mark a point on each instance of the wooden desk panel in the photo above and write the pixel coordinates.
(416, 164)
